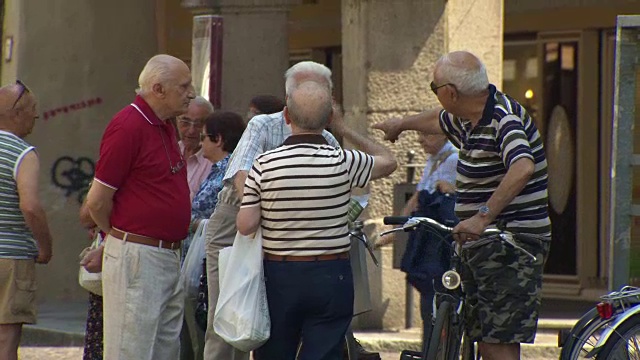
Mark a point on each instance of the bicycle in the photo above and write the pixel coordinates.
(580, 342)
(448, 338)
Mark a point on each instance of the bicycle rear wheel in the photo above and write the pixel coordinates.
(624, 343)
(583, 336)
(445, 337)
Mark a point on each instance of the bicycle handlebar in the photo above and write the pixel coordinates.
(410, 222)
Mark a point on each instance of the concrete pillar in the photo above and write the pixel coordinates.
(389, 51)
(255, 47)
(82, 69)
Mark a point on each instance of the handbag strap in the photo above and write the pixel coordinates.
(436, 164)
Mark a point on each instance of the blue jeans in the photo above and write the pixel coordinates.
(309, 302)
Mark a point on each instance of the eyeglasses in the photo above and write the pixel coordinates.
(435, 88)
(174, 169)
(24, 90)
(188, 123)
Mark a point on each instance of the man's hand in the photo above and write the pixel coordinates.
(445, 187)
(391, 128)
(470, 229)
(44, 256)
(92, 260)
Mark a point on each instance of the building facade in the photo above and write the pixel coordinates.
(82, 60)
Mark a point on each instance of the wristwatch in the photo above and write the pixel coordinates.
(484, 211)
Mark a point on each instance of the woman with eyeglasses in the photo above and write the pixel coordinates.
(219, 137)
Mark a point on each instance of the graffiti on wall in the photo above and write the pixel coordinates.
(84, 104)
(73, 176)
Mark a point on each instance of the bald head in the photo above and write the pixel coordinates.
(464, 70)
(309, 106)
(160, 69)
(9, 94)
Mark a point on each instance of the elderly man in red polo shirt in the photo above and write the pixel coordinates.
(140, 197)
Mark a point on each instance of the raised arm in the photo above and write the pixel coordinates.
(34, 215)
(384, 161)
(425, 122)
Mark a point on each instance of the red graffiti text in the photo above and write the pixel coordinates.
(73, 107)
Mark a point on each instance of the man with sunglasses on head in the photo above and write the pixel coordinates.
(501, 177)
(25, 239)
(189, 128)
(140, 198)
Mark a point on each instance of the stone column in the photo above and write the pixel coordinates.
(389, 50)
(255, 47)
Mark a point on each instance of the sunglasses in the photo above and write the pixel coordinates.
(435, 88)
(24, 90)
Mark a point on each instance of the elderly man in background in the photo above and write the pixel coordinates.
(189, 128)
(25, 238)
(140, 198)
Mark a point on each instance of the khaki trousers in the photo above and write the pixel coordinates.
(143, 301)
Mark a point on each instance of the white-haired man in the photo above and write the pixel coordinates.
(140, 198)
(189, 127)
(299, 195)
(502, 177)
(264, 132)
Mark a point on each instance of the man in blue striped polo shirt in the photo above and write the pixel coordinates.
(501, 177)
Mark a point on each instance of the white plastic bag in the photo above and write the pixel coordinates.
(242, 313)
(192, 266)
(91, 282)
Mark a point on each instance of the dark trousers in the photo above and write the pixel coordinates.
(426, 310)
(309, 303)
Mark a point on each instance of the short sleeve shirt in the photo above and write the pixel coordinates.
(505, 134)
(303, 189)
(264, 132)
(140, 159)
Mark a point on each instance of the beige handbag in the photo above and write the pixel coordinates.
(91, 282)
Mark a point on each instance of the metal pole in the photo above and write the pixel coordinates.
(622, 152)
(408, 301)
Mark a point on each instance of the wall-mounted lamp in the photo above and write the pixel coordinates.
(528, 94)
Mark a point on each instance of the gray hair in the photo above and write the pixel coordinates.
(465, 71)
(158, 70)
(306, 69)
(202, 102)
(310, 106)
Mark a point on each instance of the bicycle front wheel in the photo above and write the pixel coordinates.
(624, 343)
(445, 337)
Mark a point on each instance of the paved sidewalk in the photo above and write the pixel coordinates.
(62, 324)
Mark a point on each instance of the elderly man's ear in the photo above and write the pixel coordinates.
(286, 116)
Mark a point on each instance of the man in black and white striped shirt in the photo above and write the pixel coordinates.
(298, 194)
(502, 177)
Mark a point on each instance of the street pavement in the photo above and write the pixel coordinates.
(71, 353)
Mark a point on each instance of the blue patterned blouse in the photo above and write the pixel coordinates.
(207, 196)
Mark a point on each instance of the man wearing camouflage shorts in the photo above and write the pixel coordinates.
(501, 177)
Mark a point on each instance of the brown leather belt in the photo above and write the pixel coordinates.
(138, 239)
(272, 257)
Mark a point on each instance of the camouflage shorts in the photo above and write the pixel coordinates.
(502, 286)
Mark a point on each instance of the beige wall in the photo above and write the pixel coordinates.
(70, 51)
(388, 66)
